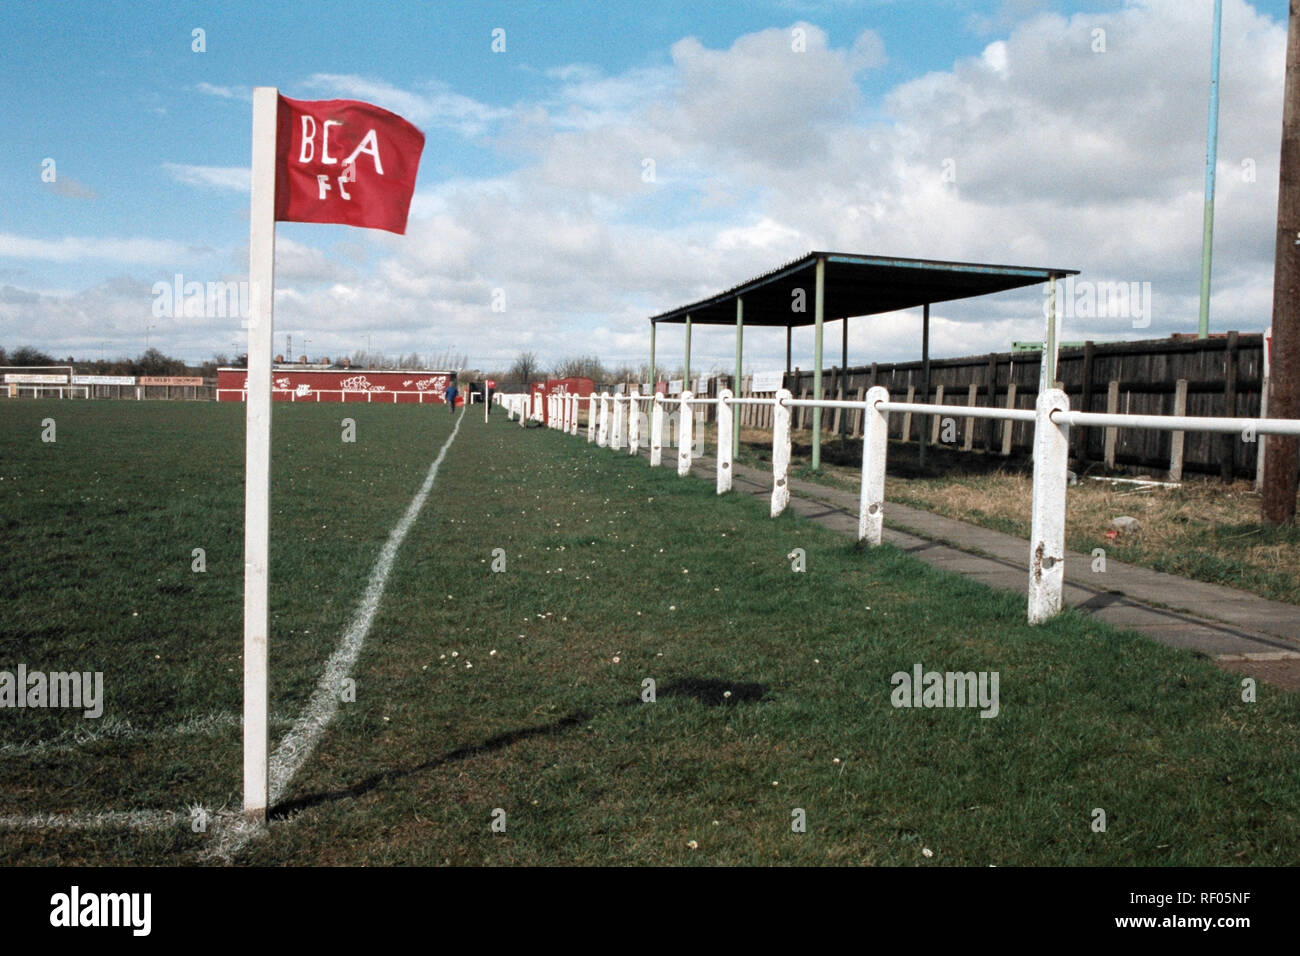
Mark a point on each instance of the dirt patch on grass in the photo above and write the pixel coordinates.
(1204, 529)
(1284, 674)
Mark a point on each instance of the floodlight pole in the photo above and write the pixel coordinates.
(257, 467)
(819, 317)
(735, 386)
(1211, 161)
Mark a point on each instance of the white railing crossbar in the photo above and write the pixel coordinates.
(1051, 418)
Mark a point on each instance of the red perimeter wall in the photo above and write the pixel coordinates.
(570, 386)
(560, 386)
(370, 385)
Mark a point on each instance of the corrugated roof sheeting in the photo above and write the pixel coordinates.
(856, 285)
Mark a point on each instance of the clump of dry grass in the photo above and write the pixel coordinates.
(1203, 529)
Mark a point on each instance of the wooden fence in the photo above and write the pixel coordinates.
(1216, 377)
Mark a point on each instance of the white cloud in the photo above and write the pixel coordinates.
(435, 106)
(236, 178)
(72, 188)
(226, 92)
(113, 317)
(1059, 156)
(1062, 157)
(79, 248)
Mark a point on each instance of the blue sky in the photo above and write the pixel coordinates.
(532, 182)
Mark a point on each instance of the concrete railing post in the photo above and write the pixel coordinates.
(875, 445)
(633, 421)
(602, 428)
(591, 418)
(620, 417)
(1047, 534)
(657, 431)
(573, 422)
(724, 440)
(685, 419)
(780, 451)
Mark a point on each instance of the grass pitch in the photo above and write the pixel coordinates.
(521, 690)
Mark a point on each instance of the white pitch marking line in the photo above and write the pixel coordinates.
(306, 732)
(301, 739)
(133, 819)
(207, 725)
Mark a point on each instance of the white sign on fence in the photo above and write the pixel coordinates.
(674, 386)
(23, 378)
(103, 380)
(766, 381)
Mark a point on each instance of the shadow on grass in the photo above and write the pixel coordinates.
(712, 692)
(709, 691)
(499, 742)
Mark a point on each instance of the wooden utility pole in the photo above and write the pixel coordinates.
(1282, 461)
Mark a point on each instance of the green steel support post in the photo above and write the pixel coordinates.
(686, 382)
(925, 383)
(735, 385)
(819, 316)
(654, 379)
(844, 379)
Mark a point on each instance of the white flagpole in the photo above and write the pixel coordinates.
(257, 455)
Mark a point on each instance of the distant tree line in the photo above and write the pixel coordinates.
(528, 368)
(149, 362)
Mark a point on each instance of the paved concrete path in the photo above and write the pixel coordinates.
(1224, 623)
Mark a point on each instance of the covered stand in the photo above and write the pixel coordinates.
(842, 285)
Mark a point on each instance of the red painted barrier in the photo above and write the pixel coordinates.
(581, 387)
(343, 385)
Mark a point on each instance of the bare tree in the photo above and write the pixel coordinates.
(525, 369)
(582, 366)
(26, 355)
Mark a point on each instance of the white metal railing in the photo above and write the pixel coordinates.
(15, 390)
(315, 394)
(1051, 419)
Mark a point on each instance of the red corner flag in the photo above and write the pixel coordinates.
(327, 161)
(344, 161)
